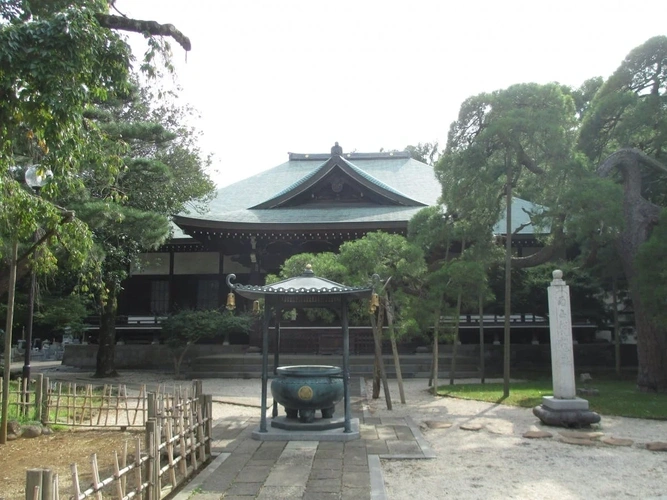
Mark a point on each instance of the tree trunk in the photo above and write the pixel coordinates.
(394, 350)
(106, 349)
(8, 345)
(377, 340)
(436, 348)
(639, 216)
(508, 280)
(22, 270)
(455, 346)
(651, 344)
(482, 369)
(617, 328)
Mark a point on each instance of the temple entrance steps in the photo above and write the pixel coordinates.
(250, 365)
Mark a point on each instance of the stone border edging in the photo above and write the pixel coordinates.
(199, 479)
(378, 491)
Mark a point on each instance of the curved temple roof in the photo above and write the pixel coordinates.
(307, 284)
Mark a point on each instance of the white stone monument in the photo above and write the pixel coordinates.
(564, 407)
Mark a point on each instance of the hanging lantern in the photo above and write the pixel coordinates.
(255, 307)
(231, 301)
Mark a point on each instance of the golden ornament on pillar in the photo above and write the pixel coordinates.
(375, 302)
(255, 307)
(231, 301)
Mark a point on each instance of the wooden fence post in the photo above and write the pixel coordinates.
(44, 411)
(208, 415)
(152, 406)
(197, 390)
(38, 396)
(42, 481)
(153, 460)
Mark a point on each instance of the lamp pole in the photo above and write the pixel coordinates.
(35, 177)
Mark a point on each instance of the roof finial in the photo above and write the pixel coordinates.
(308, 271)
(336, 150)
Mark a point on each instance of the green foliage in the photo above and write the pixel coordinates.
(425, 152)
(188, 326)
(384, 254)
(617, 397)
(652, 271)
(61, 314)
(526, 130)
(431, 229)
(398, 263)
(324, 265)
(629, 110)
(529, 291)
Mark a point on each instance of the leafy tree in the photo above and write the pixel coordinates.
(185, 328)
(395, 260)
(55, 57)
(515, 140)
(162, 173)
(625, 133)
(620, 126)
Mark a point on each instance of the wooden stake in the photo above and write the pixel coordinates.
(60, 390)
(137, 464)
(193, 442)
(107, 407)
(181, 432)
(96, 476)
(56, 487)
(33, 481)
(75, 482)
(170, 453)
(123, 464)
(200, 433)
(117, 476)
(38, 396)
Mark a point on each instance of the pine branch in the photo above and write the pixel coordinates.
(138, 26)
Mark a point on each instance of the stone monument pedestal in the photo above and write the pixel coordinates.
(565, 412)
(564, 408)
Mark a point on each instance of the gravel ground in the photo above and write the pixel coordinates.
(494, 462)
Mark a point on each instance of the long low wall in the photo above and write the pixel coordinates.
(138, 356)
(159, 356)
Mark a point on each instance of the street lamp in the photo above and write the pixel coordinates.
(35, 177)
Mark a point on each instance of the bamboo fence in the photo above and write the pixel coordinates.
(82, 405)
(177, 443)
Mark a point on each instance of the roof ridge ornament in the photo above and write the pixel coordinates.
(336, 150)
(308, 271)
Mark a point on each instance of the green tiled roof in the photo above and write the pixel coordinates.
(520, 210)
(415, 179)
(398, 174)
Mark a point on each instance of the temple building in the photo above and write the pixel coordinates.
(311, 203)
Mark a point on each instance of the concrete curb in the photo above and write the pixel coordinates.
(199, 479)
(378, 491)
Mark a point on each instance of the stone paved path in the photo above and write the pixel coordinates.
(324, 470)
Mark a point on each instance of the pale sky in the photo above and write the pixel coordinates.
(277, 76)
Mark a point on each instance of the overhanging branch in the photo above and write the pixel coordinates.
(138, 26)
